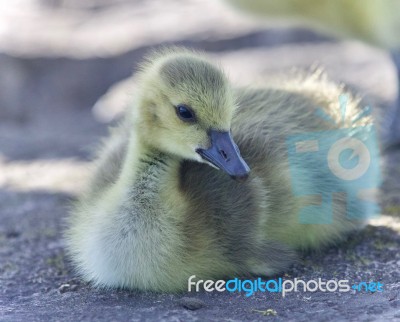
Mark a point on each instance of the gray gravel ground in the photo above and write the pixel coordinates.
(66, 57)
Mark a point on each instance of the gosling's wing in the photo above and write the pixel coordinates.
(300, 104)
(233, 214)
(109, 161)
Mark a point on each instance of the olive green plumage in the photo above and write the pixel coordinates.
(156, 212)
(374, 21)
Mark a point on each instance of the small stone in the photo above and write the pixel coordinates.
(64, 288)
(67, 288)
(266, 312)
(191, 303)
(73, 288)
(13, 234)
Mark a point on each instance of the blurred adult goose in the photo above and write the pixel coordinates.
(157, 209)
(376, 22)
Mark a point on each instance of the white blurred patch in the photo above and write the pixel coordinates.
(64, 175)
(113, 103)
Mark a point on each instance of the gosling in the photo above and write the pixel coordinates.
(375, 22)
(157, 209)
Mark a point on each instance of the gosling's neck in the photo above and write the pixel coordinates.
(148, 180)
(144, 160)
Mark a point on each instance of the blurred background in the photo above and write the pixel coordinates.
(65, 68)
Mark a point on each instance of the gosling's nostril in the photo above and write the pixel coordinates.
(241, 178)
(224, 155)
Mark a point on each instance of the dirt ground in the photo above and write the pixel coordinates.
(64, 67)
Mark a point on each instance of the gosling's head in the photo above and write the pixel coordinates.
(185, 108)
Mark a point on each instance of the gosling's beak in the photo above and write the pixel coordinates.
(225, 155)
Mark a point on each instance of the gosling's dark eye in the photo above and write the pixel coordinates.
(185, 113)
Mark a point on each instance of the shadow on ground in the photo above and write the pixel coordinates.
(38, 282)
